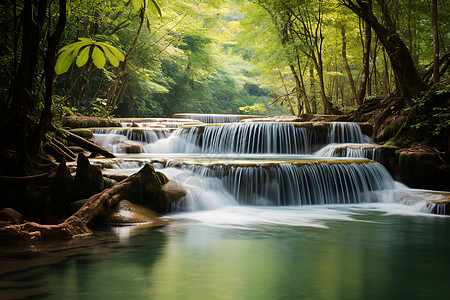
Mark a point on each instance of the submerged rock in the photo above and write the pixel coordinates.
(128, 212)
(131, 147)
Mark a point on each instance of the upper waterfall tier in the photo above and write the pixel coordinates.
(280, 138)
(215, 118)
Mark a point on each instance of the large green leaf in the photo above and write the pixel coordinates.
(117, 53)
(112, 58)
(154, 7)
(138, 5)
(64, 62)
(83, 57)
(98, 57)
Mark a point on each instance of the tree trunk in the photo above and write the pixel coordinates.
(410, 83)
(347, 67)
(365, 64)
(325, 102)
(434, 15)
(49, 73)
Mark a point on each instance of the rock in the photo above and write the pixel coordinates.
(441, 206)
(128, 212)
(423, 170)
(85, 122)
(108, 182)
(62, 192)
(174, 191)
(10, 215)
(88, 179)
(83, 132)
(131, 147)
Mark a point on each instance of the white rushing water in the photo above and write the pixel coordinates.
(263, 164)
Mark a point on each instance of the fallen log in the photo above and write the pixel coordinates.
(83, 143)
(139, 187)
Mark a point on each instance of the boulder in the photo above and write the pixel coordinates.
(85, 122)
(88, 178)
(174, 191)
(10, 215)
(128, 212)
(83, 132)
(423, 170)
(131, 147)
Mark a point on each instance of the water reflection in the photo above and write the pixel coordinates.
(324, 252)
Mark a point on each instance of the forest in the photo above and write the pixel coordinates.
(384, 61)
(155, 58)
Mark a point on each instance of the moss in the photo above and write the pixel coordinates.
(162, 178)
(84, 133)
(394, 142)
(108, 182)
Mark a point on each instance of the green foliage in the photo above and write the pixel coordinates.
(432, 113)
(80, 52)
(255, 107)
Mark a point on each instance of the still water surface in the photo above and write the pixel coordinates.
(323, 252)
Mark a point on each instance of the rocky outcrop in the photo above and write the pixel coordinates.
(423, 169)
(88, 179)
(83, 132)
(84, 122)
(10, 215)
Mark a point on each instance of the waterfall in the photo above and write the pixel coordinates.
(298, 183)
(351, 150)
(211, 118)
(343, 132)
(136, 134)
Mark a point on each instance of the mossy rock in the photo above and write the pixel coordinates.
(108, 182)
(83, 132)
(86, 122)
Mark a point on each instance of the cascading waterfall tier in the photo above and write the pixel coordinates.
(143, 135)
(299, 182)
(279, 138)
(214, 118)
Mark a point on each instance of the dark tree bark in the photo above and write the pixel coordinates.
(365, 65)
(347, 67)
(434, 16)
(409, 82)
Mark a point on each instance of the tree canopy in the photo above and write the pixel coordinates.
(152, 58)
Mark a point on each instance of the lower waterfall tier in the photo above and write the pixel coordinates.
(301, 182)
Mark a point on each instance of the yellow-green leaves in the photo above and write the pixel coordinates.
(79, 52)
(141, 5)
